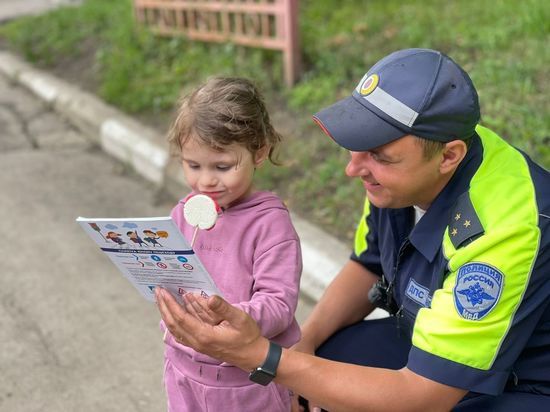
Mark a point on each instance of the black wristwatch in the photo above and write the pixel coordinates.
(268, 370)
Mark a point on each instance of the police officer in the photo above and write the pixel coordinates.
(453, 243)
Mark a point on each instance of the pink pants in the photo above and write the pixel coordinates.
(196, 387)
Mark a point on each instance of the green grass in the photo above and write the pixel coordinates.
(501, 43)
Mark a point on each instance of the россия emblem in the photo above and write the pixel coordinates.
(477, 290)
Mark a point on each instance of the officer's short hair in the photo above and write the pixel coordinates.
(431, 147)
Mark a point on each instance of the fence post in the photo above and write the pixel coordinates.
(291, 51)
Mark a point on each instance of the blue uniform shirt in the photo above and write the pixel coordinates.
(472, 278)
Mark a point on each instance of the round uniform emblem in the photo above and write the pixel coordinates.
(477, 290)
(369, 84)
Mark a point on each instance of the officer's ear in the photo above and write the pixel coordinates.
(453, 153)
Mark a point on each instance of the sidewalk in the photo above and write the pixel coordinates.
(142, 149)
(75, 335)
(10, 9)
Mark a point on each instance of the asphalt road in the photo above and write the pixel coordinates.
(75, 335)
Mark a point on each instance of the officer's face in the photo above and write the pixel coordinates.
(398, 175)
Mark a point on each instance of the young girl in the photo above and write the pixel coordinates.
(224, 133)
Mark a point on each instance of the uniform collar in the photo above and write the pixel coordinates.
(427, 235)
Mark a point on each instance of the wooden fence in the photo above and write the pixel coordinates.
(270, 24)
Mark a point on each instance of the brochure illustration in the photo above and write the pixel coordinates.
(151, 252)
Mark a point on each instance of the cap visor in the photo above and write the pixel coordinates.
(355, 127)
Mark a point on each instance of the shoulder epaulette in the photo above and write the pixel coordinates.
(464, 225)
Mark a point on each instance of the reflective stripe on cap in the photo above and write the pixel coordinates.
(391, 106)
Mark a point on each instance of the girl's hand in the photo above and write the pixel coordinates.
(234, 338)
(197, 306)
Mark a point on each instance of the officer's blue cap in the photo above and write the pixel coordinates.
(413, 91)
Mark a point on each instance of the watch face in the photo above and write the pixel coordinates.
(262, 377)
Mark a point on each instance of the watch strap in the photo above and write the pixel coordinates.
(272, 359)
(268, 370)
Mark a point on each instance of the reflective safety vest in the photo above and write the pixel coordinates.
(471, 280)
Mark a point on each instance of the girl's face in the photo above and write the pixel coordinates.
(226, 176)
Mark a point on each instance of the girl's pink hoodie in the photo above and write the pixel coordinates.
(253, 254)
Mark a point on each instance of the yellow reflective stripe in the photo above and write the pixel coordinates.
(510, 245)
(362, 231)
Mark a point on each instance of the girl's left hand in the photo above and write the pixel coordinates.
(234, 337)
(197, 306)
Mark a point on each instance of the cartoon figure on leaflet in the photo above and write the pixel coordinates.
(134, 237)
(151, 238)
(115, 237)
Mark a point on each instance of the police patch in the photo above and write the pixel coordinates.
(477, 290)
(418, 293)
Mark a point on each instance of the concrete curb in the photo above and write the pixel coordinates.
(146, 152)
(10, 10)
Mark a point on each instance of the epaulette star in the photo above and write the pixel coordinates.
(465, 225)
